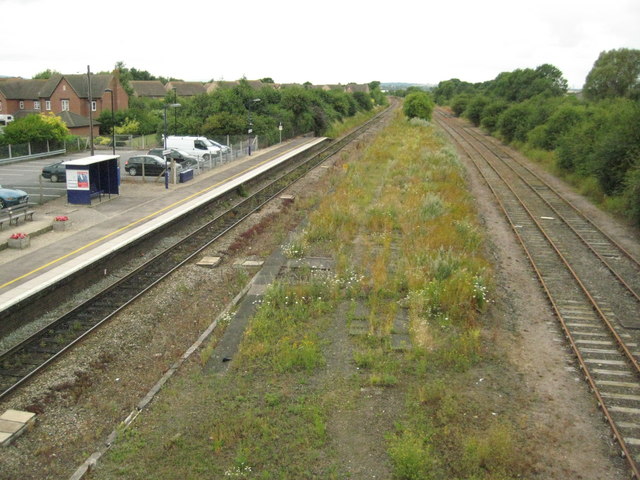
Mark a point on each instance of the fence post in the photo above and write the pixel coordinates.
(10, 151)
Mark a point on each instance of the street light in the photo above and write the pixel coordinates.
(250, 129)
(113, 121)
(166, 166)
(175, 112)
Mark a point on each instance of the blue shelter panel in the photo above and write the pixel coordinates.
(92, 177)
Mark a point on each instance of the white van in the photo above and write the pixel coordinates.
(5, 119)
(198, 146)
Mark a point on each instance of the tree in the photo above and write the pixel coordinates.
(448, 89)
(35, 128)
(615, 73)
(522, 84)
(45, 75)
(418, 105)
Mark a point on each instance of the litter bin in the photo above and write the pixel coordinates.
(186, 175)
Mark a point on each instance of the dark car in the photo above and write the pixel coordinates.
(152, 164)
(181, 157)
(56, 172)
(10, 197)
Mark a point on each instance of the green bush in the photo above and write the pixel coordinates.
(491, 114)
(547, 135)
(514, 123)
(459, 103)
(632, 193)
(418, 105)
(475, 107)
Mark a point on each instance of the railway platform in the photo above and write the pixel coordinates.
(97, 230)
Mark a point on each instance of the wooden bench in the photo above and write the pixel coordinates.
(23, 210)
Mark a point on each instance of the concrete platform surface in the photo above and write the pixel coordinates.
(107, 224)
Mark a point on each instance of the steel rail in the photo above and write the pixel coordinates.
(569, 224)
(557, 310)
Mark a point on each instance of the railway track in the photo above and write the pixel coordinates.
(32, 355)
(592, 283)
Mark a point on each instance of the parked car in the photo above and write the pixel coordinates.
(10, 197)
(153, 165)
(223, 148)
(56, 172)
(180, 156)
(198, 146)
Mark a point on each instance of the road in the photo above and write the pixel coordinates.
(26, 175)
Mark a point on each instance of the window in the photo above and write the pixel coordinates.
(36, 105)
(47, 104)
(93, 106)
(65, 105)
(0, 106)
(21, 105)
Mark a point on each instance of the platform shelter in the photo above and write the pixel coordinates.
(92, 178)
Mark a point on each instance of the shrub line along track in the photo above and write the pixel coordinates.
(29, 357)
(591, 281)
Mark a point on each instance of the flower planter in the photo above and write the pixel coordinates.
(19, 243)
(61, 226)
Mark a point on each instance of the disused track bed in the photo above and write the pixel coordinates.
(591, 282)
(32, 355)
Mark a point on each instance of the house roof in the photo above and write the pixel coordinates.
(79, 83)
(21, 89)
(73, 120)
(186, 89)
(148, 88)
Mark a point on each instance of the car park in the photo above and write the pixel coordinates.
(152, 165)
(180, 156)
(10, 197)
(56, 172)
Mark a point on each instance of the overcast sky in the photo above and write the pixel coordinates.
(330, 41)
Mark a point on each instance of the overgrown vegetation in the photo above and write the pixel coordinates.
(408, 250)
(593, 141)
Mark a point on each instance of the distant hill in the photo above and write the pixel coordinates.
(404, 85)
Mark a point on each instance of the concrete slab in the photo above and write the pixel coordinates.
(358, 327)
(314, 263)
(400, 342)
(17, 416)
(210, 262)
(10, 427)
(252, 263)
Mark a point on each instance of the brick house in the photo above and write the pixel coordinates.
(64, 95)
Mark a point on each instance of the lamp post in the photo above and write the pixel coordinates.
(113, 121)
(175, 112)
(250, 129)
(166, 166)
